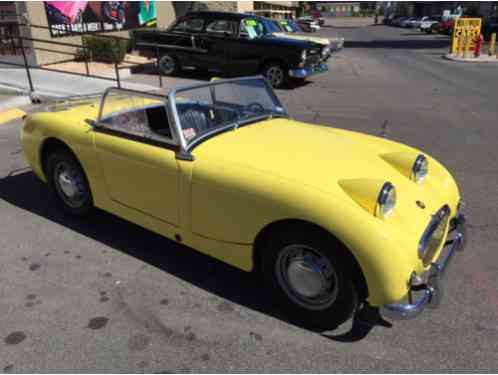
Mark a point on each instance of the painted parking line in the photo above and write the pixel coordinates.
(11, 114)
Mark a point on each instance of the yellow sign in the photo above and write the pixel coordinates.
(464, 29)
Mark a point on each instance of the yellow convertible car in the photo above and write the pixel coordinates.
(331, 218)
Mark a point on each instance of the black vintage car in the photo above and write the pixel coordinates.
(231, 43)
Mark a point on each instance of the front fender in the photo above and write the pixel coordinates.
(231, 204)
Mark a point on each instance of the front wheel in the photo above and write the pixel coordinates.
(308, 272)
(68, 183)
(275, 74)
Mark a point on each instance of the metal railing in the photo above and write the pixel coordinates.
(17, 43)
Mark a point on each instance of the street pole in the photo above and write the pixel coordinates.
(492, 45)
(26, 65)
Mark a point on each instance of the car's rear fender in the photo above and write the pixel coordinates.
(43, 132)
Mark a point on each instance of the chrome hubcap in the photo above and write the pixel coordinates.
(167, 64)
(69, 184)
(307, 277)
(275, 75)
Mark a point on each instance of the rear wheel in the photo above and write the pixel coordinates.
(68, 183)
(275, 74)
(168, 64)
(311, 277)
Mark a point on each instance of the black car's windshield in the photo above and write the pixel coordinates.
(219, 105)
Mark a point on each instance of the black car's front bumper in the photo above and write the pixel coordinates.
(428, 293)
(309, 70)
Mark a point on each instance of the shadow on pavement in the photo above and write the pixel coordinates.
(151, 69)
(202, 75)
(24, 190)
(399, 44)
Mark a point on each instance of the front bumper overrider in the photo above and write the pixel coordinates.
(427, 291)
(309, 71)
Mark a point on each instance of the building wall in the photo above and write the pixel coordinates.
(245, 6)
(35, 13)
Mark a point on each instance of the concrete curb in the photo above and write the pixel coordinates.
(483, 59)
(18, 101)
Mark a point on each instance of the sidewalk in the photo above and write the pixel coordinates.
(480, 59)
(53, 84)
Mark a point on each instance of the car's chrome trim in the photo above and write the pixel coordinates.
(437, 218)
(175, 118)
(431, 291)
(307, 72)
(175, 138)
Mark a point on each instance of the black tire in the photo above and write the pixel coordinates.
(332, 312)
(168, 64)
(62, 162)
(276, 74)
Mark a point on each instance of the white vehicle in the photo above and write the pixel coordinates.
(427, 24)
(408, 22)
(418, 22)
(310, 22)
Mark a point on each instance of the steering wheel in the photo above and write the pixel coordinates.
(255, 107)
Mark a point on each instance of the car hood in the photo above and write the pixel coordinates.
(330, 160)
(289, 41)
(315, 39)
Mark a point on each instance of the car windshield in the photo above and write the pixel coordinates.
(208, 108)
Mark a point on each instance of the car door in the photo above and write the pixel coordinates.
(216, 40)
(246, 50)
(135, 147)
(187, 33)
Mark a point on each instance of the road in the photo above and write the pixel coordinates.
(106, 295)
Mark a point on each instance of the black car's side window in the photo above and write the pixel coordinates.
(220, 27)
(189, 25)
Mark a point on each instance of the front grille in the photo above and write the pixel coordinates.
(312, 60)
(434, 235)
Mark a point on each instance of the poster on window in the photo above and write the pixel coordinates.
(76, 17)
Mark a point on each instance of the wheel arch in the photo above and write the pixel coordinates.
(50, 145)
(270, 60)
(274, 227)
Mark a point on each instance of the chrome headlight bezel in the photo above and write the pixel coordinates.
(420, 169)
(386, 201)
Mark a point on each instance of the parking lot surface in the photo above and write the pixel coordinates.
(101, 294)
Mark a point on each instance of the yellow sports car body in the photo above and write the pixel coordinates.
(332, 218)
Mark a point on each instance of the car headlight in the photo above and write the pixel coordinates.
(420, 169)
(386, 201)
(325, 51)
(303, 55)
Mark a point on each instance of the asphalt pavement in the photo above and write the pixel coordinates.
(105, 295)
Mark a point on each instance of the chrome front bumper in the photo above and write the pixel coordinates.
(429, 293)
(308, 71)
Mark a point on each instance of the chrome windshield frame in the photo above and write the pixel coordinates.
(176, 136)
(175, 118)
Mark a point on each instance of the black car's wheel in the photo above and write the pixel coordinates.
(68, 183)
(311, 277)
(275, 74)
(168, 64)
